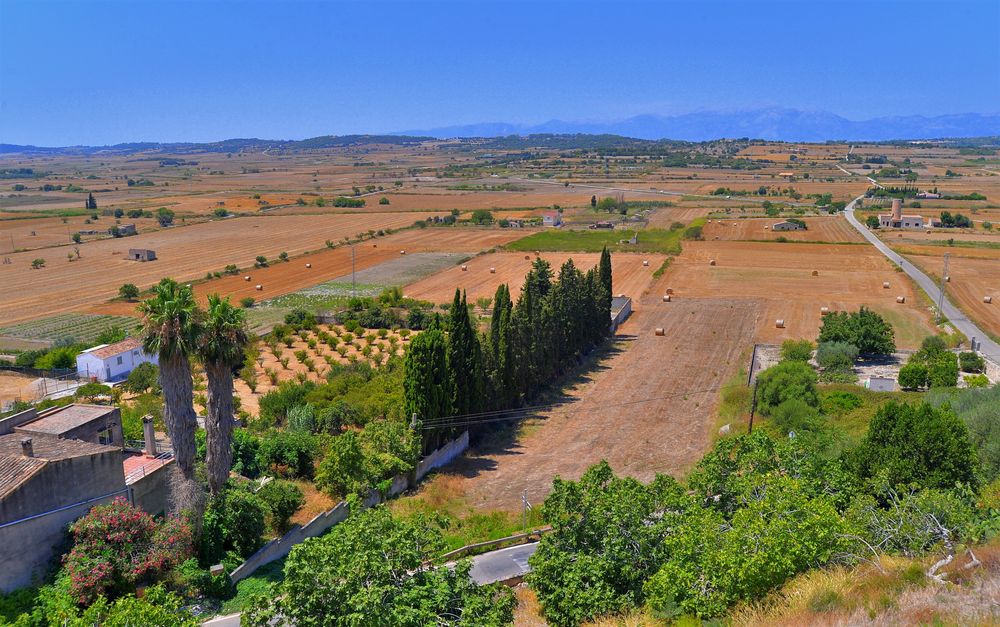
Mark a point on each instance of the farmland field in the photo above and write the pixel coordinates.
(648, 408)
(779, 276)
(832, 229)
(81, 328)
(653, 240)
(631, 277)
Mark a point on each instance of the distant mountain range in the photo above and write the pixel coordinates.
(777, 124)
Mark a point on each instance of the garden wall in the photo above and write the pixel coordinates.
(280, 547)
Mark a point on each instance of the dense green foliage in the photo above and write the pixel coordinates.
(796, 350)
(864, 328)
(787, 380)
(372, 569)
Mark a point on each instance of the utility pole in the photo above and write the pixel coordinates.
(944, 280)
(525, 506)
(353, 282)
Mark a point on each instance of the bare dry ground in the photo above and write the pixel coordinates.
(779, 277)
(648, 408)
(15, 387)
(631, 277)
(832, 229)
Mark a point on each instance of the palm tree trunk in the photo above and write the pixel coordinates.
(219, 424)
(178, 410)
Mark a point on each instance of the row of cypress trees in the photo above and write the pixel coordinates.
(453, 369)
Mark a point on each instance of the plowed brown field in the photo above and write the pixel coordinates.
(184, 253)
(820, 229)
(971, 280)
(779, 277)
(630, 276)
(648, 409)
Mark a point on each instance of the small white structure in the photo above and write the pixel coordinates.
(621, 308)
(112, 362)
(880, 384)
(552, 218)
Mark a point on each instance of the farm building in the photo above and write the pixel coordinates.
(112, 362)
(552, 218)
(125, 230)
(787, 226)
(896, 219)
(141, 254)
(621, 309)
(880, 384)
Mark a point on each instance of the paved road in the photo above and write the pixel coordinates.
(499, 565)
(954, 315)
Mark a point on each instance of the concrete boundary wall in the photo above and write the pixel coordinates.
(322, 522)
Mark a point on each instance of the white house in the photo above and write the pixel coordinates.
(112, 362)
(552, 218)
(896, 219)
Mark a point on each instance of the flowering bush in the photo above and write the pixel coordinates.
(117, 545)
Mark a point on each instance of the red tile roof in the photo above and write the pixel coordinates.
(126, 345)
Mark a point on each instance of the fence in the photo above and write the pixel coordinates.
(321, 523)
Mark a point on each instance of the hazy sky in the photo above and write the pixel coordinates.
(105, 72)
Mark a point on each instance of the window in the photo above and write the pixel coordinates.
(119, 360)
(106, 436)
(135, 353)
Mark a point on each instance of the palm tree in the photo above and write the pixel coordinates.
(221, 347)
(171, 325)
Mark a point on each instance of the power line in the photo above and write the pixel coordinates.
(465, 420)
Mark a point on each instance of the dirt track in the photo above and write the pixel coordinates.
(698, 353)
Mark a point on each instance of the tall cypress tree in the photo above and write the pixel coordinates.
(427, 381)
(604, 272)
(465, 358)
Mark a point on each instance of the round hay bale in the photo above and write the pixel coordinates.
(766, 227)
(258, 287)
(246, 278)
(987, 299)
(885, 285)
(947, 278)
(660, 331)
(309, 265)
(465, 268)
(666, 298)
(374, 245)
(779, 324)
(815, 272)
(711, 262)
(493, 270)
(402, 252)
(824, 310)
(527, 257)
(725, 429)
(670, 290)
(645, 262)
(900, 299)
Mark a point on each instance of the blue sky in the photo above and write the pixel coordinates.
(105, 72)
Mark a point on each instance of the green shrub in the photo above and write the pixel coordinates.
(864, 328)
(838, 402)
(288, 453)
(836, 355)
(971, 362)
(143, 378)
(976, 381)
(795, 415)
(233, 521)
(913, 376)
(942, 371)
(787, 380)
(281, 500)
(796, 350)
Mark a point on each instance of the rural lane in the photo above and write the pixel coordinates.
(499, 565)
(954, 315)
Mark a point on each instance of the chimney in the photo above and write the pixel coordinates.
(26, 448)
(897, 209)
(148, 435)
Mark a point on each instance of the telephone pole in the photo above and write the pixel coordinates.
(944, 281)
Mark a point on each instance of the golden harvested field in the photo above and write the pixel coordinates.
(184, 253)
(779, 277)
(671, 384)
(328, 264)
(832, 229)
(974, 273)
(630, 276)
(34, 233)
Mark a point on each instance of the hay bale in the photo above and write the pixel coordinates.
(885, 284)
(900, 299)
(824, 310)
(815, 272)
(711, 262)
(493, 270)
(309, 265)
(258, 287)
(666, 298)
(246, 278)
(645, 262)
(527, 257)
(670, 290)
(465, 268)
(987, 299)
(402, 252)
(660, 331)
(779, 323)
(947, 278)
(725, 429)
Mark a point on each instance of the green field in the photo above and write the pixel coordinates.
(649, 240)
(80, 328)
